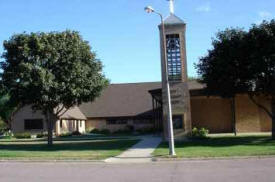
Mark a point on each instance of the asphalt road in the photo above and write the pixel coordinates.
(245, 170)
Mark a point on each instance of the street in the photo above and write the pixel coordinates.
(238, 170)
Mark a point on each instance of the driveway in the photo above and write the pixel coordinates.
(245, 170)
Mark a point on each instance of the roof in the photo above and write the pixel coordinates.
(74, 113)
(127, 100)
(173, 20)
(118, 100)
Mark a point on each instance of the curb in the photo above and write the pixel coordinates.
(166, 159)
(50, 161)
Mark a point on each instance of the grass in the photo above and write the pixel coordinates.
(221, 146)
(37, 149)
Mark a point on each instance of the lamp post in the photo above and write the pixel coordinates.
(172, 152)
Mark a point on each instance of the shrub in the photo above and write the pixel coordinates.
(122, 132)
(95, 131)
(199, 133)
(102, 132)
(76, 133)
(68, 134)
(22, 135)
(3, 127)
(41, 135)
(105, 132)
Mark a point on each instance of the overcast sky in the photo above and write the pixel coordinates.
(124, 37)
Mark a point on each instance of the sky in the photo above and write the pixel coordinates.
(125, 38)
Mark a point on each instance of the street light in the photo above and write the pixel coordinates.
(172, 152)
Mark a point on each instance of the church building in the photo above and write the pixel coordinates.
(143, 106)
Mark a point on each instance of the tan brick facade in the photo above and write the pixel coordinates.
(215, 114)
(101, 123)
(250, 118)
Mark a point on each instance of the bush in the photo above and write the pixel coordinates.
(105, 132)
(122, 132)
(76, 133)
(3, 127)
(68, 134)
(41, 135)
(101, 132)
(95, 131)
(22, 135)
(199, 133)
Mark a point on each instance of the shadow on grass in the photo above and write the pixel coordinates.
(77, 146)
(71, 138)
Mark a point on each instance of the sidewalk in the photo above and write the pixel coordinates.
(139, 153)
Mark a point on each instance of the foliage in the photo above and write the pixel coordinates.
(7, 108)
(76, 133)
(242, 62)
(101, 132)
(67, 134)
(41, 135)
(199, 133)
(105, 132)
(3, 127)
(22, 135)
(51, 71)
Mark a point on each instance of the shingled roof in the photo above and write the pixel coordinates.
(125, 100)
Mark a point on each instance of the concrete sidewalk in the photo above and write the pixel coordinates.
(139, 153)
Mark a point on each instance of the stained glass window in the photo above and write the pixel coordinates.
(173, 57)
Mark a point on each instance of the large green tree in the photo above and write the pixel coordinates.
(7, 109)
(242, 62)
(52, 72)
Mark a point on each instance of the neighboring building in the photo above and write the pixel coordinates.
(144, 105)
(26, 120)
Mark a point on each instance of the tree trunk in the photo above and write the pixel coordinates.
(273, 117)
(50, 128)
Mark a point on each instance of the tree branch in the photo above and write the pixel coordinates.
(260, 106)
(58, 110)
(63, 112)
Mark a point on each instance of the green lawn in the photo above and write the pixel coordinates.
(35, 149)
(221, 146)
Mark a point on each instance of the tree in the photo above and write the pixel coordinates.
(52, 72)
(7, 109)
(242, 62)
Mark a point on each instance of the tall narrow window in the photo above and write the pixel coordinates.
(173, 57)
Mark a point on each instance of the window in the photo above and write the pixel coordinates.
(142, 121)
(33, 124)
(178, 121)
(80, 123)
(116, 121)
(173, 57)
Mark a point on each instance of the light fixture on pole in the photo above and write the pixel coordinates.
(172, 152)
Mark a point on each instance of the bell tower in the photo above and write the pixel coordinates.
(176, 61)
